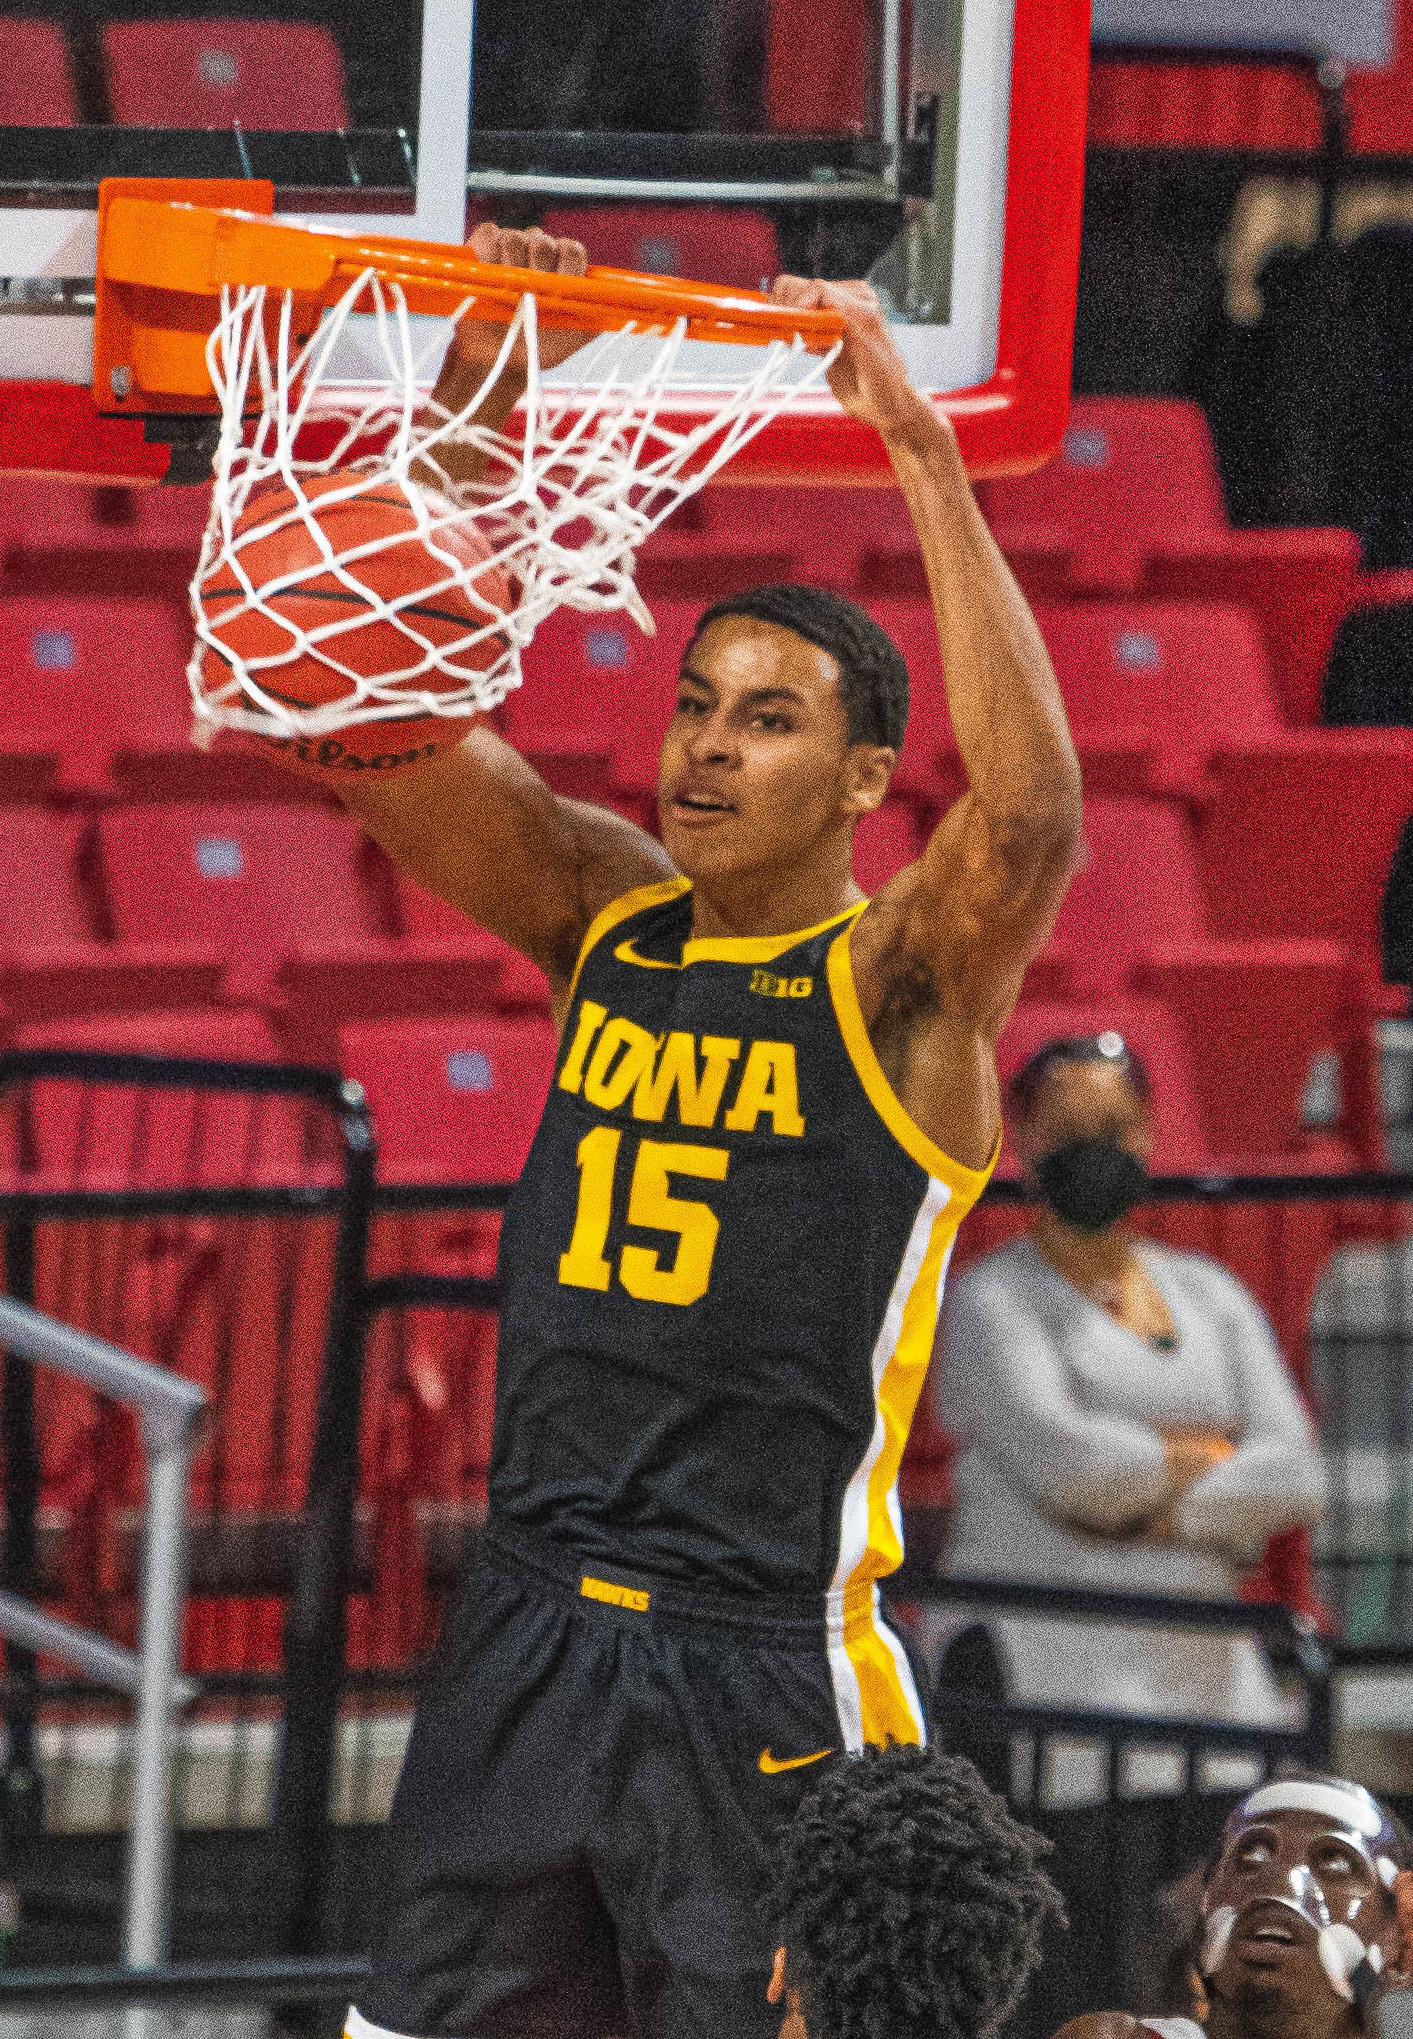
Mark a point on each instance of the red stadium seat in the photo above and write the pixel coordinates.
(884, 842)
(703, 243)
(1191, 675)
(256, 880)
(1201, 106)
(112, 1136)
(36, 88)
(1299, 832)
(927, 769)
(1299, 584)
(323, 989)
(1134, 475)
(1256, 1014)
(597, 684)
(1138, 887)
(829, 537)
(50, 963)
(86, 674)
(425, 918)
(433, 925)
(1180, 1136)
(223, 72)
(455, 1100)
(41, 900)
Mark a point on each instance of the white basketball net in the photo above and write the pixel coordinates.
(598, 455)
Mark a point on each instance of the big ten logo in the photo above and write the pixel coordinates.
(768, 985)
(611, 1060)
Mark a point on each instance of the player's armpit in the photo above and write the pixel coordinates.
(481, 829)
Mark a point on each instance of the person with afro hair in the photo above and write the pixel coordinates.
(908, 1903)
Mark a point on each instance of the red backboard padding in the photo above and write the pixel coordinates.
(218, 71)
(36, 89)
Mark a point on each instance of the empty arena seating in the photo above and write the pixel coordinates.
(1249, 106)
(1132, 475)
(1192, 674)
(454, 1099)
(1222, 835)
(1298, 830)
(93, 1136)
(883, 842)
(86, 673)
(1137, 887)
(36, 86)
(598, 684)
(254, 881)
(222, 71)
(1133, 505)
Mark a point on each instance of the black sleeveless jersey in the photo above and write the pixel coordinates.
(722, 1267)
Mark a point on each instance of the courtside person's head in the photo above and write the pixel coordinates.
(909, 1903)
(791, 708)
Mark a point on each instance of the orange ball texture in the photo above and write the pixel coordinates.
(398, 569)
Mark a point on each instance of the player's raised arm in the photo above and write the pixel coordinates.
(477, 825)
(940, 954)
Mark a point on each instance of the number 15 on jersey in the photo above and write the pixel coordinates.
(651, 1206)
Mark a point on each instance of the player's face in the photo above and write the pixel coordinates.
(757, 770)
(1282, 1883)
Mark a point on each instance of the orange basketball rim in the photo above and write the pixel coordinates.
(165, 258)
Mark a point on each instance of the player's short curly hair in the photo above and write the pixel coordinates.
(910, 1903)
(873, 674)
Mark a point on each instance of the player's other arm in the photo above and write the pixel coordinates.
(940, 954)
(478, 826)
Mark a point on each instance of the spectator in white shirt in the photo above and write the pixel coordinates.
(1123, 1415)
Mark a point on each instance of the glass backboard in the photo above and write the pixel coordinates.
(935, 146)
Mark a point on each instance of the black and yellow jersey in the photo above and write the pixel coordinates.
(722, 1270)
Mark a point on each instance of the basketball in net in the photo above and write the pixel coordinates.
(341, 588)
(360, 619)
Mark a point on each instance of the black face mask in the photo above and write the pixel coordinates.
(1091, 1184)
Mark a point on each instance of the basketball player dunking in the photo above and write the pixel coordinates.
(775, 1100)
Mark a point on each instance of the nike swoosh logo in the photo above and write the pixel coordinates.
(773, 1765)
(626, 953)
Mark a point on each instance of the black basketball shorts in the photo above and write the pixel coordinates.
(579, 1841)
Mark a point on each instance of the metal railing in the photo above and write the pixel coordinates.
(377, 1285)
(169, 1410)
